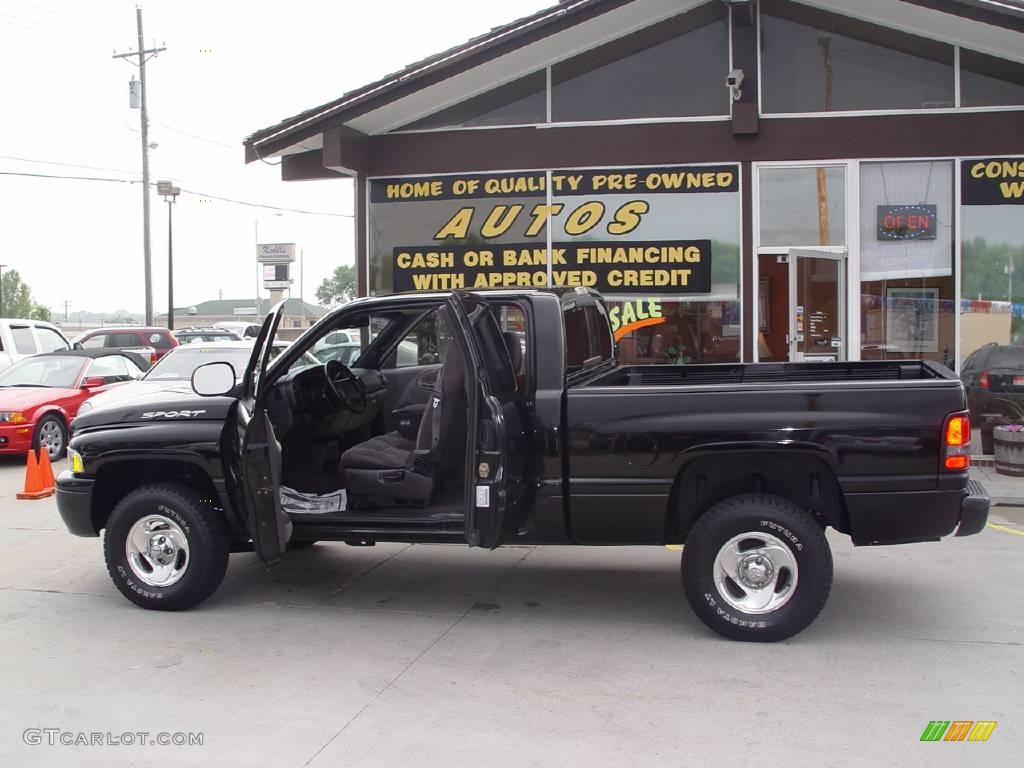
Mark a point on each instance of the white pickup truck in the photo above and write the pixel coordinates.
(23, 338)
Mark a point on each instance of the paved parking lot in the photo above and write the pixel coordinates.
(441, 656)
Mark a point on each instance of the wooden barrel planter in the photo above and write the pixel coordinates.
(1009, 445)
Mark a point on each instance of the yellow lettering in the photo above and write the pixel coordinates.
(584, 218)
(627, 217)
(457, 226)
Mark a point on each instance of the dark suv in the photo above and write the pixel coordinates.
(159, 340)
(993, 377)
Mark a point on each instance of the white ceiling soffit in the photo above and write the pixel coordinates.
(520, 62)
(924, 22)
(306, 145)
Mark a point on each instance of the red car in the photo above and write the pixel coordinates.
(145, 338)
(40, 395)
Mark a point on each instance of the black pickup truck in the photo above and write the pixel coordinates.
(504, 417)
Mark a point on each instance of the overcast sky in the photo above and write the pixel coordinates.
(230, 68)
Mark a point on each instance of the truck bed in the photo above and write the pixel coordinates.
(771, 373)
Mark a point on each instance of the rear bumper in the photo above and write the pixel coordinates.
(973, 509)
(74, 502)
(904, 517)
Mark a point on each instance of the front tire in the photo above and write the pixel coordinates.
(757, 567)
(51, 435)
(163, 550)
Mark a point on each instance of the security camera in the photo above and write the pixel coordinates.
(733, 81)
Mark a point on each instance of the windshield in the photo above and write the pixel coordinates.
(49, 371)
(179, 363)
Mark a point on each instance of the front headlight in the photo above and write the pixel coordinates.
(75, 458)
(85, 407)
(13, 417)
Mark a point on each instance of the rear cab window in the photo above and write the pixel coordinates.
(24, 340)
(588, 339)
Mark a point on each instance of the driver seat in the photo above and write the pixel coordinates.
(396, 468)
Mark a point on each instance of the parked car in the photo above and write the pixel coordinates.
(993, 378)
(175, 369)
(23, 338)
(152, 341)
(40, 396)
(204, 335)
(747, 465)
(243, 329)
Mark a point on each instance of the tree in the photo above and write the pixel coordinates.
(17, 298)
(39, 312)
(339, 287)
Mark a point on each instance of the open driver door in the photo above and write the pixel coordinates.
(496, 440)
(258, 453)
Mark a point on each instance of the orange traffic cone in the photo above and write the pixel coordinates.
(46, 470)
(35, 488)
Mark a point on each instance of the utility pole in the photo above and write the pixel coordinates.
(66, 304)
(143, 56)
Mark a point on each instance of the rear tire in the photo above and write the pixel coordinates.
(757, 568)
(163, 550)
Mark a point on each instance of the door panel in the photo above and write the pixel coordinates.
(496, 450)
(407, 386)
(259, 452)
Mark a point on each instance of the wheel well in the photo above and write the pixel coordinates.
(115, 481)
(804, 479)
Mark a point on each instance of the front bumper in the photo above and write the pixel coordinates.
(74, 502)
(973, 509)
(16, 438)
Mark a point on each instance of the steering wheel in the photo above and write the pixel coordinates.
(344, 388)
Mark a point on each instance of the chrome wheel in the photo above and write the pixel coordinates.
(755, 572)
(51, 438)
(157, 551)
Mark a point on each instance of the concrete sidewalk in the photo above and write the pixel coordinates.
(1005, 490)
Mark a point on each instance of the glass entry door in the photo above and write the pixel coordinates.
(817, 295)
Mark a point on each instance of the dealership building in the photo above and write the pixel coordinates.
(762, 180)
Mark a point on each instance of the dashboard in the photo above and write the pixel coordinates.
(304, 402)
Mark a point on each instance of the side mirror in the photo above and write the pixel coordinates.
(92, 382)
(78, 345)
(213, 379)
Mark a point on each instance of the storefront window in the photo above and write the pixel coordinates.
(986, 81)
(815, 61)
(907, 288)
(803, 206)
(522, 102)
(992, 216)
(662, 71)
(446, 232)
(665, 234)
(682, 310)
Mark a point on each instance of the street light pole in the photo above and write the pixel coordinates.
(170, 194)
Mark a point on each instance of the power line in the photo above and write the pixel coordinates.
(67, 165)
(233, 201)
(200, 138)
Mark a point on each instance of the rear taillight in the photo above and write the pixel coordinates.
(983, 379)
(956, 442)
(153, 357)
